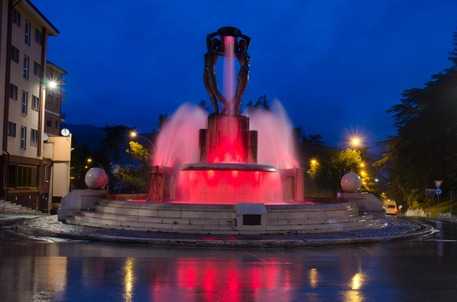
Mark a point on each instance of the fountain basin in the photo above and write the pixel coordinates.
(229, 166)
(228, 183)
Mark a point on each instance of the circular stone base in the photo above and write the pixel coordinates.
(226, 219)
(396, 228)
(240, 225)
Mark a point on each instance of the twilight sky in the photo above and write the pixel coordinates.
(335, 65)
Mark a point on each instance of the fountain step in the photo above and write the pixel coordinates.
(175, 213)
(299, 208)
(158, 219)
(226, 219)
(219, 229)
(219, 226)
(272, 217)
(195, 219)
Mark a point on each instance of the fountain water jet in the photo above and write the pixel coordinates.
(219, 161)
(229, 72)
(275, 137)
(177, 143)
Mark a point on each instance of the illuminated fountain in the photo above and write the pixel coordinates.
(225, 173)
(216, 158)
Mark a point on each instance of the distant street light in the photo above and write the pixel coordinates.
(355, 141)
(314, 162)
(89, 160)
(52, 84)
(133, 134)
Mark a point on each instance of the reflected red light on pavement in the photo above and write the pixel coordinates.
(217, 279)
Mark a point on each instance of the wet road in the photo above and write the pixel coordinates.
(81, 271)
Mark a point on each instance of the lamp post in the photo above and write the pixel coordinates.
(133, 134)
(52, 84)
(356, 141)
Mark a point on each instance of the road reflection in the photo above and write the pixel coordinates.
(129, 279)
(31, 271)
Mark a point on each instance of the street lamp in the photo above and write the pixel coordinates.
(133, 134)
(355, 141)
(53, 84)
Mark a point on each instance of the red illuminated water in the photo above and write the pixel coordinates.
(275, 138)
(227, 136)
(226, 141)
(177, 142)
(229, 72)
(229, 186)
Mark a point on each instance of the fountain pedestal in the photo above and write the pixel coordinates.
(228, 139)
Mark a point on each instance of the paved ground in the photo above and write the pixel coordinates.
(66, 270)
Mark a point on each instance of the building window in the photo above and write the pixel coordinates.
(37, 69)
(14, 54)
(23, 137)
(11, 129)
(22, 176)
(33, 137)
(28, 32)
(13, 91)
(38, 36)
(35, 103)
(26, 68)
(16, 17)
(25, 102)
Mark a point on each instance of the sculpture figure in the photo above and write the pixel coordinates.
(215, 48)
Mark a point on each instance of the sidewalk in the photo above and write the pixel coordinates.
(11, 213)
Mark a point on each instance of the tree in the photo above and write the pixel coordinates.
(262, 102)
(425, 146)
(114, 144)
(334, 165)
(134, 177)
(79, 165)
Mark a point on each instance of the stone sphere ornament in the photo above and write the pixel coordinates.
(96, 178)
(350, 183)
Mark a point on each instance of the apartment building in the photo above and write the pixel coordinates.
(27, 152)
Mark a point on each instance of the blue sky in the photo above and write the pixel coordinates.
(335, 65)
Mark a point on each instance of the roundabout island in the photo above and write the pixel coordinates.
(224, 179)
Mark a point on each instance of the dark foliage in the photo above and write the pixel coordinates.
(425, 147)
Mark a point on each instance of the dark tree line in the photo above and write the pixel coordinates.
(425, 146)
(126, 161)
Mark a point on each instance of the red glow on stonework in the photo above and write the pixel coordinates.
(226, 144)
(228, 151)
(229, 186)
